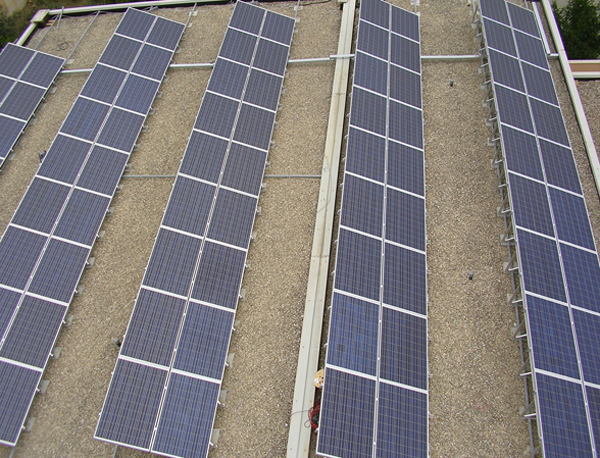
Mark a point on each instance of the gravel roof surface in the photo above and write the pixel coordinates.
(475, 391)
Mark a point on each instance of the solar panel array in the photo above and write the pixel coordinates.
(375, 394)
(164, 390)
(47, 243)
(558, 261)
(25, 77)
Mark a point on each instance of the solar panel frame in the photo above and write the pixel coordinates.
(52, 265)
(219, 264)
(377, 279)
(567, 423)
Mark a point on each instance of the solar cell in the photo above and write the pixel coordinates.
(346, 416)
(405, 168)
(271, 57)
(219, 275)
(233, 218)
(172, 262)
(238, 46)
(10, 130)
(403, 348)
(183, 216)
(540, 266)
(59, 271)
(254, 127)
(135, 24)
(363, 205)
(373, 40)
(405, 284)
(204, 341)
(217, 115)
(185, 423)
(166, 33)
(120, 52)
(552, 337)
(82, 217)
(19, 252)
(531, 49)
(137, 94)
(22, 101)
(371, 73)
(33, 332)
(247, 18)
(495, 9)
(5, 86)
(228, 78)
(549, 122)
(507, 70)
(358, 264)
(377, 12)
(405, 53)
(85, 119)
(152, 62)
(405, 219)
(582, 273)
(570, 217)
(244, 169)
(500, 37)
(365, 154)
(121, 130)
(593, 396)
(588, 341)
(530, 205)
(523, 20)
(521, 152)
(405, 86)
(102, 170)
(42, 70)
(103, 83)
(131, 405)
(41, 205)
(559, 166)
(14, 59)
(406, 124)
(562, 410)
(513, 108)
(204, 156)
(20, 382)
(368, 111)
(278, 28)
(405, 23)
(539, 83)
(8, 304)
(401, 423)
(352, 342)
(153, 328)
(263, 89)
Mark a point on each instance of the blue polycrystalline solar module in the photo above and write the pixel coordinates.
(558, 260)
(375, 393)
(46, 246)
(25, 77)
(183, 316)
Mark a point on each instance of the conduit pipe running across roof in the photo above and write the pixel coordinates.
(584, 127)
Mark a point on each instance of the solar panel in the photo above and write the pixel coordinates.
(183, 316)
(558, 261)
(374, 401)
(46, 246)
(25, 77)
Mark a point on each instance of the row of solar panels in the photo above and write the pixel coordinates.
(25, 77)
(558, 261)
(165, 388)
(374, 399)
(47, 243)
